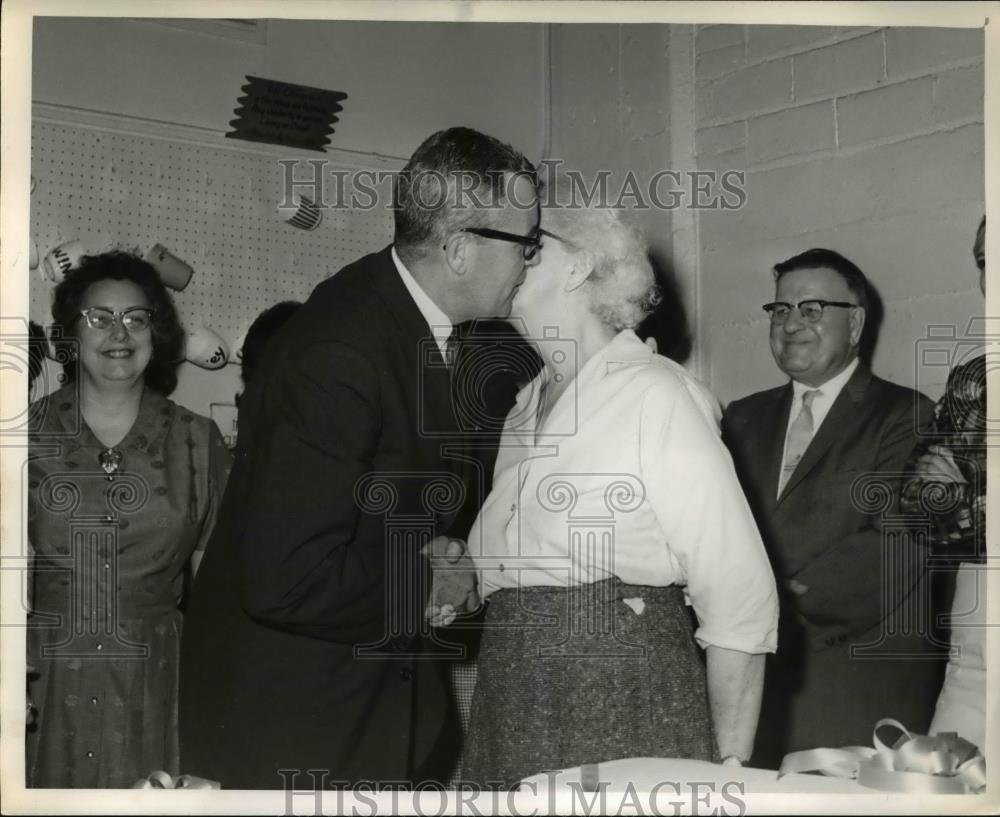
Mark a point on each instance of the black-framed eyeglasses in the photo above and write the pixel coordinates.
(134, 319)
(550, 234)
(810, 310)
(530, 244)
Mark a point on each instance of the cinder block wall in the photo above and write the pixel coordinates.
(611, 110)
(867, 141)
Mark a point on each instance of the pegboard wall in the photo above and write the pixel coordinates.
(213, 207)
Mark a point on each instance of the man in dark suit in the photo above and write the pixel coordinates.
(820, 460)
(306, 639)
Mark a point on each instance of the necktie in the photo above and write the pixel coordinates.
(799, 436)
(451, 350)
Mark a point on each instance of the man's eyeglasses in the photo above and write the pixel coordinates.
(811, 310)
(530, 244)
(135, 319)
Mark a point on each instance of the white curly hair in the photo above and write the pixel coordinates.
(622, 287)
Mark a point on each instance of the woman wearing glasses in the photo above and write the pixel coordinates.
(124, 486)
(614, 502)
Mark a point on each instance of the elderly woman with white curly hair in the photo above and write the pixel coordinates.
(614, 508)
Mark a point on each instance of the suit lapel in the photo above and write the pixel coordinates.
(772, 443)
(842, 412)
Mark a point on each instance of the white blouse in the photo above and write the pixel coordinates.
(628, 477)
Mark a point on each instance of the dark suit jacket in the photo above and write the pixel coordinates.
(302, 637)
(828, 531)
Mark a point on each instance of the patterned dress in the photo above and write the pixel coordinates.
(110, 558)
(957, 512)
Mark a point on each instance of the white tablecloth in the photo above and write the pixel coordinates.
(646, 773)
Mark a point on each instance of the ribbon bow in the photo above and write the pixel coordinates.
(162, 780)
(915, 764)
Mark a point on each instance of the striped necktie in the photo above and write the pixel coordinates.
(799, 436)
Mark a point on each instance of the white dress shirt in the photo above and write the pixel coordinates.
(821, 404)
(439, 323)
(628, 477)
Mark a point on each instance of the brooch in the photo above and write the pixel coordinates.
(111, 460)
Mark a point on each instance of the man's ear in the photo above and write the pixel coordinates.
(456, 250)
(582, 266)
(857, 320)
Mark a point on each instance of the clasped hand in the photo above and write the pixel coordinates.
(453, 590)
(938, 465)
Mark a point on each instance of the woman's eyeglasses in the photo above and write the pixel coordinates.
(135, 319)
(530, 244)
(811, 310)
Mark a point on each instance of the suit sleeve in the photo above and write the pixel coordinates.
(710, 530)
(848, 587)
(306, 565)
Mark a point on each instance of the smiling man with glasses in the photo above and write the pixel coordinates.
(799, 450)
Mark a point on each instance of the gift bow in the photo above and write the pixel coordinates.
(162, 780)
(915, 764)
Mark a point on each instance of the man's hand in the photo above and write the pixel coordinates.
(454, 588)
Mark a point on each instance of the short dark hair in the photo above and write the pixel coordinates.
(117, 265)
(449, 164)
(818, 258)
(264, 327)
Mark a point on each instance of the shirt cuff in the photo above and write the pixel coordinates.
(752, 643)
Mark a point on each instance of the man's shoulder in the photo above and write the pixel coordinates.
(891, 397)
(362, 278)
(352, 303)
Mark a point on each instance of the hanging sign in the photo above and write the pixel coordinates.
(280, 113)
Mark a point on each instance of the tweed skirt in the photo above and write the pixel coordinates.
(587, 674)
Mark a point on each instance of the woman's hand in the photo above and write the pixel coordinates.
(938, 465)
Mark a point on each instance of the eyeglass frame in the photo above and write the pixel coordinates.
(823, 304)
(117, 315)
(530, 243)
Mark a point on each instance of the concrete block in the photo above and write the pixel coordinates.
(767, 41)
(738, 279)
(958, 95)
(720, 139)
(791, 132)
(767, 85)
(915, 50)
(853, 65)
(925, 174)
(710, 38)
(885, 113)
(899, 355)
(907, 254)
(712, 64)
(781, 202)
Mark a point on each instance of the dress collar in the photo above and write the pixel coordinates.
(156, 413)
